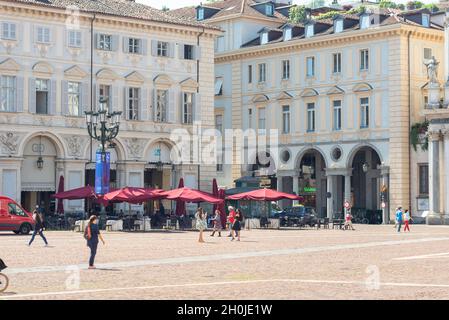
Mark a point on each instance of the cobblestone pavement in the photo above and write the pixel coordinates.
(373, 262)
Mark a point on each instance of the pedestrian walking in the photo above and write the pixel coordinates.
(348, 220)
(237, 226)
(407, 219)
(92, 234)
(217, 223)
(38, 227)
(399, 218)
(231, 220)
(201, 222)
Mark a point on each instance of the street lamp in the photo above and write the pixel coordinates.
(365, 167)
(102, 125)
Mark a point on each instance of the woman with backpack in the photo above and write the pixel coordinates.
(92, 234)
(38, 227)
(237, 226)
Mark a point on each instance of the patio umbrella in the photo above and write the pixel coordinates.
(180, 205)
(264, 195)
(133, 195)
(86, 192)
(191, 195)
(60, 208)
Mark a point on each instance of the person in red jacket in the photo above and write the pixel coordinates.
(231, 220)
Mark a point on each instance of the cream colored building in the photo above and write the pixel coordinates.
(436, 113)
(155, 68)
(342, 93)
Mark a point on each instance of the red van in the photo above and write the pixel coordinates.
(14, 218)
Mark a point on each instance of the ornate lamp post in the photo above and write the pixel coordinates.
(102, 126)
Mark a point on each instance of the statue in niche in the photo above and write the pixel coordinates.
(432, 70)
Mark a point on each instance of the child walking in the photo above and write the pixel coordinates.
(407, 219)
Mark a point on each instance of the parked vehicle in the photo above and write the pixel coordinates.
(14, 218)
(298, 216)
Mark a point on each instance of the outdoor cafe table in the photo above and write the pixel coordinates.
(140, 222)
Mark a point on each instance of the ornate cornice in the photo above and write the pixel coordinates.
(331, 40)
(60, 15)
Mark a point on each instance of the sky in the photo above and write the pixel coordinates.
(174, 4)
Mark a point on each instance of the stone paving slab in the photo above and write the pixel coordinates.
(266, 264)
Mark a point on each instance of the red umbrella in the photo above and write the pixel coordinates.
(76, 194)
(133, 195)
(60, 208)
(191, 195)
(180, 205)
(264, 195)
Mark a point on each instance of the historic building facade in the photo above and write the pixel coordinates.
(435, 112)
(341, 92)
(156, 69)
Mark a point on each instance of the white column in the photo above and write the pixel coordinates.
(434, 171)
(446, 171)
(385, 211)
(295, 186)
(347, 194)
(330, 207)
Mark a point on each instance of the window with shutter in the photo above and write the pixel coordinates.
(8, 93)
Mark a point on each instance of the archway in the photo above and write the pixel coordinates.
(38, 173)
(366, 184)
(312, 180)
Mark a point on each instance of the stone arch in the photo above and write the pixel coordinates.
(357, 148)
(309, 92)
(174, 151)
(57, 142)
(260, 98)
(43, 68)
(107, 74)
(362, 87)
(306, 150)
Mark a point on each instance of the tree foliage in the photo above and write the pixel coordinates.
(297, 14)
(412, 5)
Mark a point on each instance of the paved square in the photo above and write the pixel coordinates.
(373, 262)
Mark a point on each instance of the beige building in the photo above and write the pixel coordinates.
(59, 60)
(342, 93)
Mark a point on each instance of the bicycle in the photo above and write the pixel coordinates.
(4, 280)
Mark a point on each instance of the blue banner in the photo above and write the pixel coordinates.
(102, 172)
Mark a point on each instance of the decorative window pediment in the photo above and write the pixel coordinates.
(107, 74)
(9, 65)
(75, 72)
(163, 80)
(309, 93)
(43, 68)
(362, 87)
(284, 95)
(260, 98)
(335, 90)
(135, 77)
(189, 84)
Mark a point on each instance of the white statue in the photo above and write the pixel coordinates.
(432, 69)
